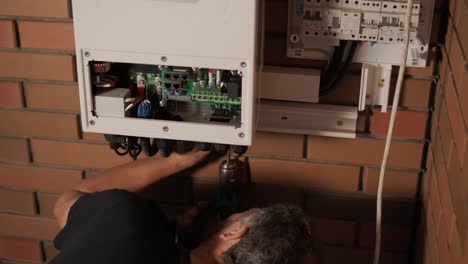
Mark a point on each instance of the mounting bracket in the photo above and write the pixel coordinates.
(375, 85)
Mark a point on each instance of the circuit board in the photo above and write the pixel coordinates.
(219, 88)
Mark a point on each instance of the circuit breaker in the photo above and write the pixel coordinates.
(315, 26)
(371, 32)
(169, 69)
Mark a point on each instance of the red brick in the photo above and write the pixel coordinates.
(284, 145)
(47, 204)
(457, 62)
(435, 199)
(415, 93)
(452, 6)
(393, 238)
(455, 249)
(28, 227)
(76, 154)
(17, 202)
(39, 124)
(335, 231)
(444, 69)
(37, 66)
(309, 175)
(465, 171)
(27, 250)
(401, 183)
(34, 8)
(444, 187)
(456, 119)
(455, 10)
(442, 243)
(52, 96)
(94, 137)
(408, 124)
(445, 132)
(458, 194)
(364, 151)
(11, 95)
(466, 250)
(449, 36)
(260, 195)
(462, 27)
(431, 236)
(358, 207)
(36, 178)
(427, 176)
(7, 34)
(437, 110)
(464, 100)
(38, 35)
(14, 149)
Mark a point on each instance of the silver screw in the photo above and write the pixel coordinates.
(163, 58)
(92, 122)
(241, 135)
(165, 129)
(243, 64)
(87, 53)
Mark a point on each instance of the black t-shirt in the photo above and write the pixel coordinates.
(115, 227)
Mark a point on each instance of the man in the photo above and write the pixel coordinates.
(104, 220)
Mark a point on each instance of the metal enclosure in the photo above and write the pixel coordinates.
(219, 34)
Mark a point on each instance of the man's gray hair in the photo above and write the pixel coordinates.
(279, 234)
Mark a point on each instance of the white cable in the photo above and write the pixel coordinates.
(261, 4)
(388, 143)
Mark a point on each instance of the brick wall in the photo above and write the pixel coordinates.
(44, 152)
(445, 188)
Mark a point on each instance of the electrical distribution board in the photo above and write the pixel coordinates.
(317, 25)
(179, 70)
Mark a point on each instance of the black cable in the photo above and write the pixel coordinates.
(116, 149)
(135, 151)
(150, 149)
(334, 61)
(328, 83)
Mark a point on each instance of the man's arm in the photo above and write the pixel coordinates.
(133, 177)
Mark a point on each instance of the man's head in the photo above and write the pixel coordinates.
(275, 234)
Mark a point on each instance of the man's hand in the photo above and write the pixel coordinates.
(189, 159)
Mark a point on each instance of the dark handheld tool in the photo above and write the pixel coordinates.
(229, 191)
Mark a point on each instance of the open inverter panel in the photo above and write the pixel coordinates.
(180, 70)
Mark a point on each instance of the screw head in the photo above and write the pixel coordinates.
(163, 58)
(241, 135)
(92, 122)
(165, 129)
(243, 64)
(87, 53)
